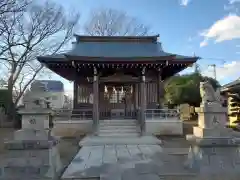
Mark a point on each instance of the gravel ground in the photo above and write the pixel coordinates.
(68, 148)
(174, 142)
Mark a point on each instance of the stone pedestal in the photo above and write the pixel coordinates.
(213, 151)
(35, 118)
(211, 130)
(33, 151)
(209, 161)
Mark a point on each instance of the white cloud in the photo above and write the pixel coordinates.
(203, 43)
(234, 1)
(225, 29)
(228, 71)
(184, 2)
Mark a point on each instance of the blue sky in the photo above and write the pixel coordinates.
(208, 28)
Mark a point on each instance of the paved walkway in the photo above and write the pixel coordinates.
(124, 162)
(96, 140)
(129, 161)
(172, 160)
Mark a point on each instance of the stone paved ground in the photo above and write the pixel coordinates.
(68, 148)
(152, 162)
(178, 144)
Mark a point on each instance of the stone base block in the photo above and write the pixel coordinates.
(212, 116)
(31, 157)
(161, 127)
(211, 107)
(211, 141)
(25, 172)
(211, 132)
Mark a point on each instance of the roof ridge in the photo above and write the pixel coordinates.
(85, 38)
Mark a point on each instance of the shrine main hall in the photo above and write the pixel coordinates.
(117, 77)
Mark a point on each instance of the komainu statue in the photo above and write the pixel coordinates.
(208, 94)
(32, 100)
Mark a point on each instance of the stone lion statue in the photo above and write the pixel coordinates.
(31, 100)
(208, 94)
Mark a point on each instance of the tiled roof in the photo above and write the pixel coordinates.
(117, 49)
(231, 84)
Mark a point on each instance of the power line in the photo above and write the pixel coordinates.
(222, 59)
(213, 65)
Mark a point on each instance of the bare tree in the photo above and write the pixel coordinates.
(7, 9)
(111, 22)
(39, 29)
(9, 6)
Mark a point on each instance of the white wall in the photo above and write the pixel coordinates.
(72, 128)
(170, 126)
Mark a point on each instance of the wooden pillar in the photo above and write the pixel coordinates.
(135, 96)
(95, 101)
(75, 94)
(159, 88)
(143, 101)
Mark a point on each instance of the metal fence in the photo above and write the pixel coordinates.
(86, 114)
(161, 114)
(72, 114)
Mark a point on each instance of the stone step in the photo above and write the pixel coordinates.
(118, 124)
(117, 127)
(118, 131)
(118, 121)
(102, 134)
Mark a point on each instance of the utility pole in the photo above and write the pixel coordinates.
(214, 71)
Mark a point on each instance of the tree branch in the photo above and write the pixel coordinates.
(111, 22)
(32, 30)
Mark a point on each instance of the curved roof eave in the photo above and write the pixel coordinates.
(67, 57)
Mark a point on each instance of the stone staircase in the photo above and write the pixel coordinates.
(118, 128)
